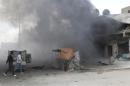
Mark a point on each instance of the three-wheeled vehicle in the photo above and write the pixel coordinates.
(26, 58)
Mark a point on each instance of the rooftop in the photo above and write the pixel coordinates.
(124, 18)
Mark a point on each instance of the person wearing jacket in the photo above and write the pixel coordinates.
(9, 61)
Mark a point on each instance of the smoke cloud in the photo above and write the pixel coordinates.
(52, 24)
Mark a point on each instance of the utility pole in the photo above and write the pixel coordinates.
(19, 32)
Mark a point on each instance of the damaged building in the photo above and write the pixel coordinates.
(118, 44)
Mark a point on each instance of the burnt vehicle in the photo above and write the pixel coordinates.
(68, 58)
(26, 58)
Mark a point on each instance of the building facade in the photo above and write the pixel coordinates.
(125, 10)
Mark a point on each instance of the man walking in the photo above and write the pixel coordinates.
(10, 64)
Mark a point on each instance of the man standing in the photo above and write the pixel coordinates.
(19, 62)
(10, 64)
(75, 63)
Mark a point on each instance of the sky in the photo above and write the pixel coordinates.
(113, 5)
(9, 34)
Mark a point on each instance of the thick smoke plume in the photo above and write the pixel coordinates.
(52, 24)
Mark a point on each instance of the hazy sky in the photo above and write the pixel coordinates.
(7, 32)
(113, 5)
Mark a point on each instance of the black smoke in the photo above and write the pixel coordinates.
(52, 24)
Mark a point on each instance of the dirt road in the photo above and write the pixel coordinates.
(60, 78)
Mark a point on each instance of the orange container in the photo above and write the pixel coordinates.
(66, 53)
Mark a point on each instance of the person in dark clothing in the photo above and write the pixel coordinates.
(66, 65)
(10, 65)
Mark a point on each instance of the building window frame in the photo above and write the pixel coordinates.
(128, 11)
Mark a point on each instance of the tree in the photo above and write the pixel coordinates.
(106, 12)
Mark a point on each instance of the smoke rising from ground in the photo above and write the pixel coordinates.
(52, 24)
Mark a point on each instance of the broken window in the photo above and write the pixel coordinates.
(128, 11)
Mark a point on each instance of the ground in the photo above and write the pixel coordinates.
(88, 77)
(60, 78)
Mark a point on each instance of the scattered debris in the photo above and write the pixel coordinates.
(102, 63)
(38, 67)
